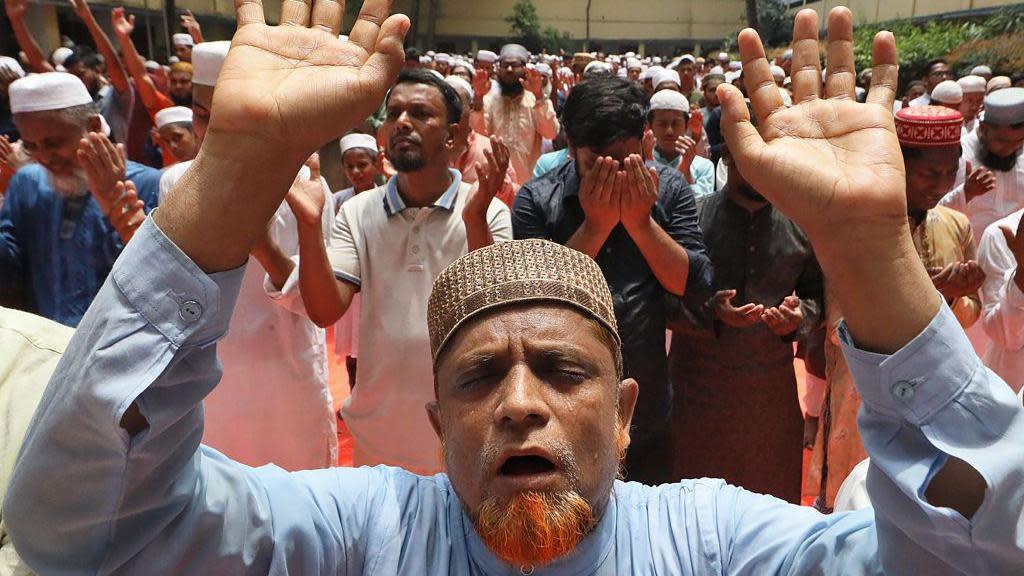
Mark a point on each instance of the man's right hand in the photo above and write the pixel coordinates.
(306, 196)
(123, 24)
(686, 147)
(980, 181)
(958, 279)
(481, 84)
(104, 165)
(743, 317)
(598, 196)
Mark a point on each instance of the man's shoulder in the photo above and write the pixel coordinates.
(371, 199)
(952, 218)
(28, 176)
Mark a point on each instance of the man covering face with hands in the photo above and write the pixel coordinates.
(524, 343)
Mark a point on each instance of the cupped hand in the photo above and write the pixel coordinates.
(105, 167)
(742, 317)
(491, 178)
(306, 195)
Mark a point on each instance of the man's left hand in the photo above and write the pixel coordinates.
(491, 177)
(533, 83)
(959, 279)
(104, 165)
(786, 318)
(639, 192)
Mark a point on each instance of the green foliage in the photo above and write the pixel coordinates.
(526, 30)
(774, 23)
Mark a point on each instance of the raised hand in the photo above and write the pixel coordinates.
(491, 177)
(597, 195)
(286, 90)
(6, 153)
(785, 318)
(1015, 241)
(533, 83)
(696, 125)
(686, 147)
(16, 8)
(123, 25)
(306, 196)
(104, 165)
(81, 8)
(743, 317)
(126, 214)
(980, 181)
(647, 144)
(191, 25)
(639, 192)
(481, 83)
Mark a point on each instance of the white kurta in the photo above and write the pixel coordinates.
(1008, 196)
(274, 404)
(1002, 305)
(522, 123)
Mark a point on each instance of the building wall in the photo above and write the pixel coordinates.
(878, 10)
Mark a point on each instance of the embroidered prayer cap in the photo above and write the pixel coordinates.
(928, 126)
(948, 92)
(998, 83)
(182, 39)
(207, 60)
(357, 140)
(515, 273)
(173, 115)
(47, 91)
(972, 84)
(1002, 108)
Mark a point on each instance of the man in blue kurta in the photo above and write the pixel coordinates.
(529, 404)
(55, 233)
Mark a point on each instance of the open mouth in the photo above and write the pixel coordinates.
(526, 466)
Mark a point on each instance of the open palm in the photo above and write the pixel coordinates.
(828, 160)
(298, 85)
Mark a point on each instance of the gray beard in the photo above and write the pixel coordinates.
(69, 186)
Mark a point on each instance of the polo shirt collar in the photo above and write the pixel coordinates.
(393, 203)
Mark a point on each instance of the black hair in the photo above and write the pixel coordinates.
(451, 98)
(84, 54)
(928, 65)
(604, 110)
(910, 153)
(412, 53)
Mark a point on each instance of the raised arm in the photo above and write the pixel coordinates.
(123, 418)
(933, 416)
(115, 69)
(36, 59)
(123, 26)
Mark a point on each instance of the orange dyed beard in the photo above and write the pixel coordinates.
(534, 527)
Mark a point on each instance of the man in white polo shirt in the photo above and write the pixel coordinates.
(388, 244)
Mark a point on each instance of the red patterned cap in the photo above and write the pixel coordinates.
(928, 126)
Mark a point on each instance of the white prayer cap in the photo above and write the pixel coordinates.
(173, 115)
(47, 91)
(182, 39)
(716, 70)
(436, 74)
(947, 92)
(516, 51)
(723, 56)
(357, 140)
(431, 53)
(650, 73)
(630, 54)
(622, 73)
(207, 59)
(657, 60)
(425, 60)
(443, 58)
(735, 65)
(633, 64)
(788, 54)
(688, 57)
(543, 69)
(669, 100)
(173, 60)
(12, 65)
(152, 65)
(981, 70)
(998, 83)
(598, 67)
(60, 55)
(972, 84)
(1002, 108)
(778, 73)
(460, 82)
(665, 75)
(732, 75)
(565, 72)
(462, 64)
(486, 56)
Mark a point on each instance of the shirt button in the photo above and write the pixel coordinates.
(415, 249)
(903, 390)
(526, 569)
(190, 311)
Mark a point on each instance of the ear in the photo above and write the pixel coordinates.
(628, 391)
(434, 415)
(453, 132)
(93, 124)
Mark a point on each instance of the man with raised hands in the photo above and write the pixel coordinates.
(529, 402)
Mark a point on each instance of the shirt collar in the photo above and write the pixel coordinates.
(393, 203)
(661, 160)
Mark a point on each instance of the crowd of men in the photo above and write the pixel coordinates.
(714, 291)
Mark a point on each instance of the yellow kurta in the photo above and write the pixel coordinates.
(943, 237)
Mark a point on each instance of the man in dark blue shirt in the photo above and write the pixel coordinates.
(639, 223)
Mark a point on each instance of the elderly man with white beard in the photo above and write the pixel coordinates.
(55, 229)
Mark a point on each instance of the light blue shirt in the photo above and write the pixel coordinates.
(701, 170)
(548, 162)
(86, 498)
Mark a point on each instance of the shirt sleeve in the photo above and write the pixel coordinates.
(527, 217)
(545, 119)
(682, 225)
(10, 248)
(1003, 303)
(499, 220)
(929, 401)
(703, 178)
(956, 199)
(342, 251)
